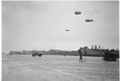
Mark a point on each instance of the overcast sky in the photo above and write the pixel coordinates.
(40, 25)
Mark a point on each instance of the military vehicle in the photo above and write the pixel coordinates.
(37, 54)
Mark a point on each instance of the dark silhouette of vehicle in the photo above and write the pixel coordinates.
(77, 12)
(89, 20)
(37, 54)
(110, 55)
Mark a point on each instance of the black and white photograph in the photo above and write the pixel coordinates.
(60, 40)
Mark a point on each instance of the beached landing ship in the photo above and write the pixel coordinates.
(108, 55)
(111, 55)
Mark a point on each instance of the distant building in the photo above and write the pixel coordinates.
(15, 52)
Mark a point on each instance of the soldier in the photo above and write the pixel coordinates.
(80, 54)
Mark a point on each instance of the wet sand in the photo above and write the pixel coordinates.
(58, 68)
